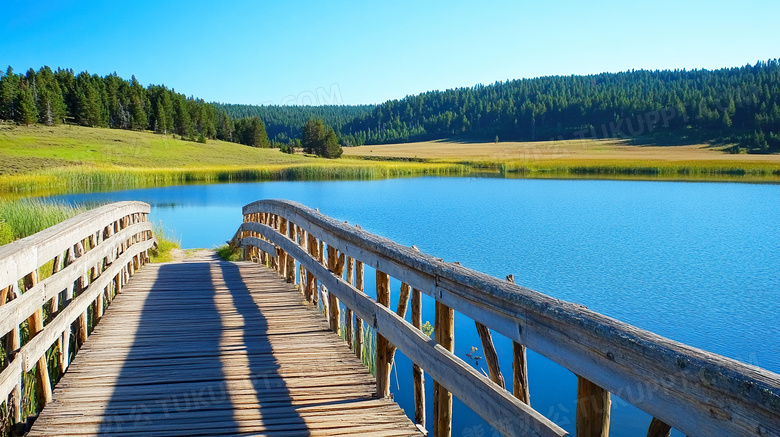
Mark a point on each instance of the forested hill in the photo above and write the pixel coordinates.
(739, 104)
(285, 122)
(52, 97)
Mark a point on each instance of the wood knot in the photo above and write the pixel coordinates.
(610, 356)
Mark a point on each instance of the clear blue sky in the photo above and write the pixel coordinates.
(370, 51)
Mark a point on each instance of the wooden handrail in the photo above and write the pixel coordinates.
(100, 250)
(694, 391)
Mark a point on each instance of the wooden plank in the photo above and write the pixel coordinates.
(695, 391)
(250, 358)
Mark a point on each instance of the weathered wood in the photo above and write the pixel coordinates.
(417, 373)
(382, 359)
(27, 254)
(444, 330)
(612, 354)
(246, 350)
(35, 326)
(593, 409)
(519, 367)
(403, 304)
(360, 286)
(290, 260)
(334, 311)
(348, 326)
(491, 357)
(658, 429)
(498, 407)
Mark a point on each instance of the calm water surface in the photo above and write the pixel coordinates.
(695, 262)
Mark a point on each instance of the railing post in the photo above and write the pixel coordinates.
(519, 367)
(290, 260)
(382, 345)
(348, 328)
(417, 372)
(444, 329)
(491, 357)
(35, 325)
(12, 344)
(337, 267)
(593, 405)
(658, 429)
(360, 285)
(403, 305)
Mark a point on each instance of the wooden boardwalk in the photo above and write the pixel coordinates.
(206, 347)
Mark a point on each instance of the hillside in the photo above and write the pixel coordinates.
(739, 105)
(38, 147)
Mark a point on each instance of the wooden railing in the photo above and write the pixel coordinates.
(87, 259)
(694, 391)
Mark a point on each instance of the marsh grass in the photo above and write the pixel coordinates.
(229, 254)
(24, 217)
(167, 240)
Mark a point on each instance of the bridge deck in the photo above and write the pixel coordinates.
(207, 347)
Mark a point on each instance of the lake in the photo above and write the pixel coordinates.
(696, 262)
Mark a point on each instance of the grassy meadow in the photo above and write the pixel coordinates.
(585, 158)
(41, 160)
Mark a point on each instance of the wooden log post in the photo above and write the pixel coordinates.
(348, 328)
(444, 331)
(35, 325)
(417, 373)
(593, 409)
(519, 367)
(334, 312)
(658, 429)
(491, 357)
(360, 285)
(311, 281)
(12, 344)
(403, 305)
(290, 260)
(382, 345)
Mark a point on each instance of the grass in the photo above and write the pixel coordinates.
(39, 160)
(166, 241)
(585, 158)
(229, 254)
(24, 217)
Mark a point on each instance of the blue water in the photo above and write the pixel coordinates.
(695, 262)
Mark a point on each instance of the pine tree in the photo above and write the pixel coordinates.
(9, 89)
(26, 112)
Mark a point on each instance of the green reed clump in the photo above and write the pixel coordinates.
(166, 242)
(228, 253)
(24, 217)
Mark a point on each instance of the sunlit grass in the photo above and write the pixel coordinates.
(24, 217)
(167, 240)
(228, 253)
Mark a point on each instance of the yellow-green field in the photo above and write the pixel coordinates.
(585, 158)
(41, 160)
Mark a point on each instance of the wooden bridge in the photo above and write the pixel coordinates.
(209, 347)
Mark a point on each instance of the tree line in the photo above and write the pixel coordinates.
(53, 97)
(731, 104)
(284, 122)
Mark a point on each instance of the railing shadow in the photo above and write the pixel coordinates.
(172, 377)
(273, 396)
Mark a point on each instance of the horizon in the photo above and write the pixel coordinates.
(300, 54)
